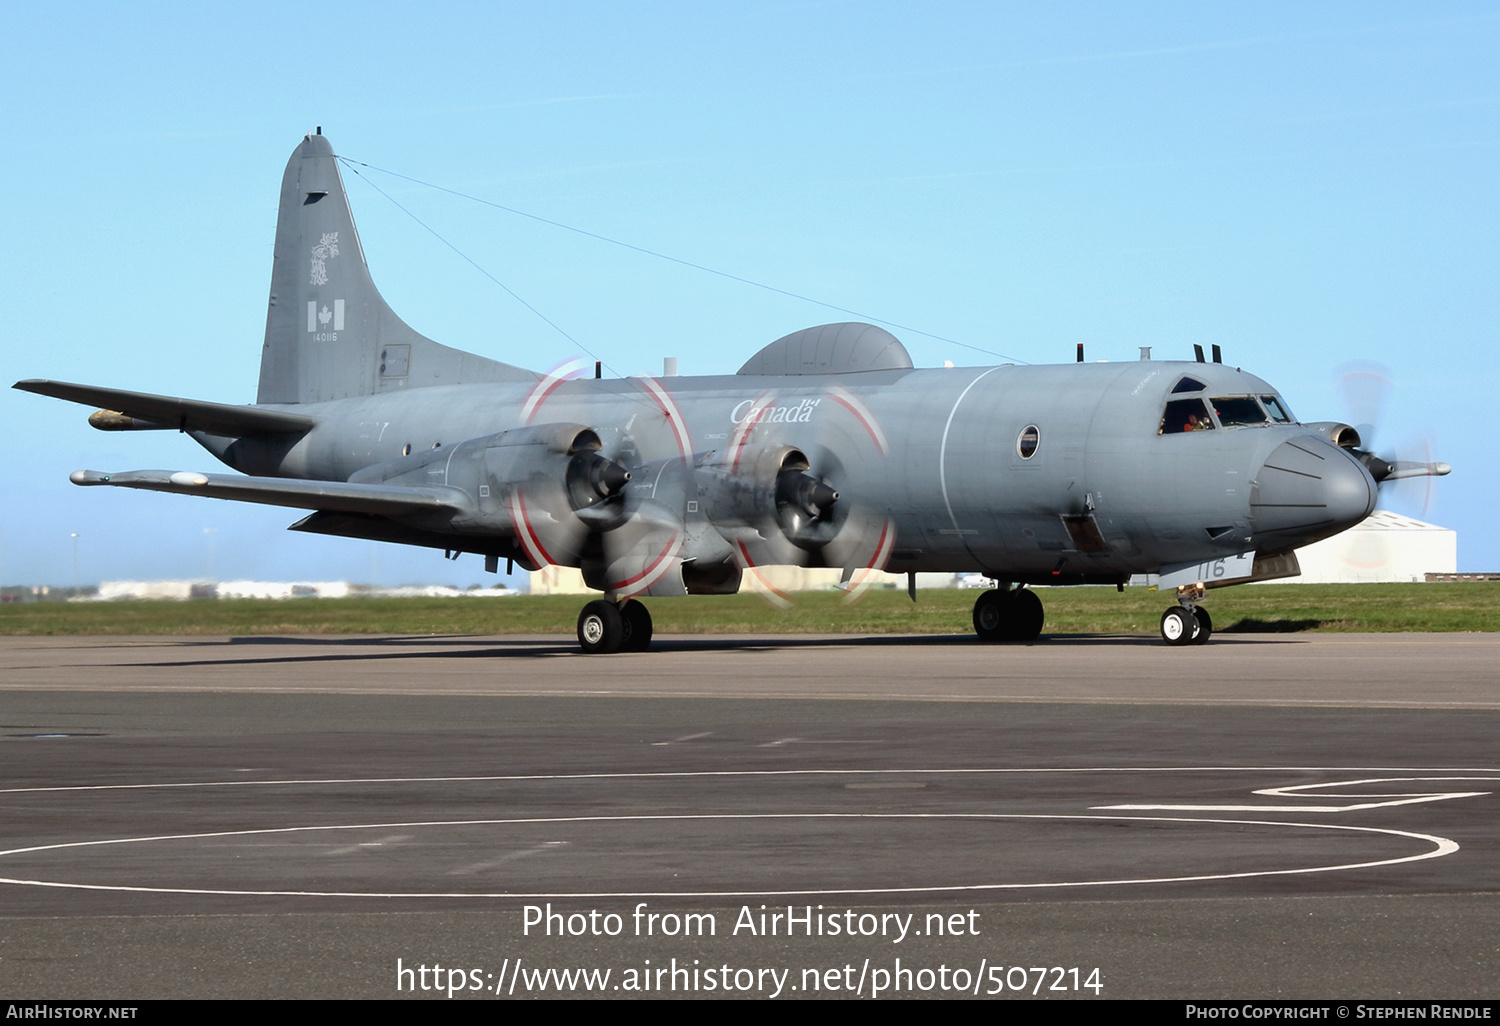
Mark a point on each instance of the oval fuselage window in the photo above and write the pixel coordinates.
(1028, 440)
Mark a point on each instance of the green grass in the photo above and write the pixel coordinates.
(1262, 608)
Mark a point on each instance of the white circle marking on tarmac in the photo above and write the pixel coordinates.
(1441, 846)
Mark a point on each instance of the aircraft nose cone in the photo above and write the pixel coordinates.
(1308, 489)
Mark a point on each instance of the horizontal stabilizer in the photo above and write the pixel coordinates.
(387, 500)
(188, 414)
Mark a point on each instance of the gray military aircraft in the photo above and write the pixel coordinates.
(827, 448)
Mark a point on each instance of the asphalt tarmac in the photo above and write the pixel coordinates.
(1264, 817)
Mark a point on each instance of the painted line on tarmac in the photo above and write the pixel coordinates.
(1441, 846)
(691, 774)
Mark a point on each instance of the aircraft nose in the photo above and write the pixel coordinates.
(1308, 489)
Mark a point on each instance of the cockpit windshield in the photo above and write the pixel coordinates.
(1196, 414)
(1279, 413)
(1236, 410)
(1185, 415)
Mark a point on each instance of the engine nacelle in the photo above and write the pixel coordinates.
(767, 503)
(548, 481)
(1342, 435)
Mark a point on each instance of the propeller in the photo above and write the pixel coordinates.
(626, 540)
(581, 500)
(639, 548)
(562, 489)
(780, 503)
(1365, 387)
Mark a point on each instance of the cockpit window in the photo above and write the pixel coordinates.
(1237, 409)
(1279, 413)
(1187, 385)
(1185, 415)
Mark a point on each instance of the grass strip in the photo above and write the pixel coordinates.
(1261, 608)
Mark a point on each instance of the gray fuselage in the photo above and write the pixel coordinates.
(1098, 487)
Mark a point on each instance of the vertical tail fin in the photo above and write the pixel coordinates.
(329, 334)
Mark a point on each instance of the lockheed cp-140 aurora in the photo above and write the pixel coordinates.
(827, 448)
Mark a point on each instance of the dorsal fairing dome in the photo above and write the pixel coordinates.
(844, 348)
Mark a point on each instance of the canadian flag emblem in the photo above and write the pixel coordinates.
(325, 317)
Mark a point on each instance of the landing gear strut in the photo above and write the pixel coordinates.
(605, 626)
(1013, 614)
(1187, 623)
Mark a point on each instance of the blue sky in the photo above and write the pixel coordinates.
(1307, 185)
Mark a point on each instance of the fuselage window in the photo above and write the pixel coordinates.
(1278, 412)
(1027, 441)
(1234, 410)
(1185, 415)
(1187, 385)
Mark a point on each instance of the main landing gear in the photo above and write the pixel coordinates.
(1187, 623)
(1008, 614)
(606, 626)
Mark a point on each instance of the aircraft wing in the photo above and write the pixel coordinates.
(171, 412)
(333, 496)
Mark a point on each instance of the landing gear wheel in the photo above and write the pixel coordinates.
(601, 628)
(1028, 615)
(991, 613)
(1179, 626)
(637, 621)
(1205, 625)
(1008, 616)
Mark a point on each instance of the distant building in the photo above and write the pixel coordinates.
(113, 591)
(1386, 547)
(557, 580)
(284, 589)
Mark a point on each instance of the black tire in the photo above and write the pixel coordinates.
(1179, 626)
(637, 621)
(601, 629)
(992, 615)
(1008, 615)
(1027, 615)
(1205, 625)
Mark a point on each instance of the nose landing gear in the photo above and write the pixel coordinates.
(1187, 623)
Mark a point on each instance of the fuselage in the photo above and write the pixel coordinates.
(1073, 471)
